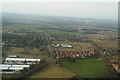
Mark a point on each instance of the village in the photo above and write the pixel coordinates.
(73, 54)
(69, 37)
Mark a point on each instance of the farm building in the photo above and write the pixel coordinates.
(7, 65)
(62, 45)
(25, 66)
(12, 56)
(10, 69)
(66, 46)
(16, 68)
(14, 65)
(21, 61)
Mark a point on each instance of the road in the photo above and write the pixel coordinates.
(49, 47)
(96, 47)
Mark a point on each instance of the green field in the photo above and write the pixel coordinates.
(88, 68)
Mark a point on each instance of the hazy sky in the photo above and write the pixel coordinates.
(100, 10)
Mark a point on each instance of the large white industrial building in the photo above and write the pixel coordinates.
(13, 64)
(5, 68)
(21, 60)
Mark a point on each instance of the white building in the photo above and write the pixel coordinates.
(12, 69)
(22, 60)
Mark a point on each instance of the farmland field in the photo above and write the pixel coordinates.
(88, 68)
(105, 40)
(29, 53)
(53, 71)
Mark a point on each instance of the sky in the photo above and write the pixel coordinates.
(98, 10)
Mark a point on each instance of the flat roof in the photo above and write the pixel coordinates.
(4, 68)
(28, 59)
(20, 65)
(15, 59)
(21, 59)
(7, 65)
(4, 65)
(10, 56)
(15, 68)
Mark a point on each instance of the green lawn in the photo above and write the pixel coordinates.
(88, 68)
